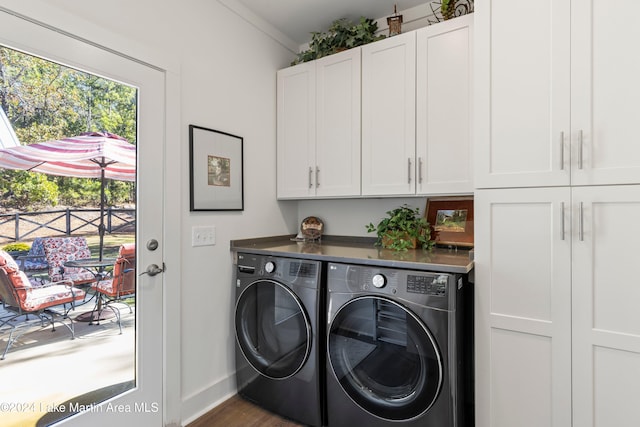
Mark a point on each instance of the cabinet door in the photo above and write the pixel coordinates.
(443, 107)
(388, 116)
(522, 90)
(296, 131)
(605, 92)
(338, 133)
(523, 308)
(606, 306)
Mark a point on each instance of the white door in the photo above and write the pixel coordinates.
(338, 124)
(523, 307)
(141, 405)
(443, 107)
(296, 131)
(522, 85)
(606, 297)
(388, 116)
(605, 92)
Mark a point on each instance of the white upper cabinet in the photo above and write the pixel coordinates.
(605, 91)
(338, 125)
(522, 93)
(557, 93)
(384, 119)
(388, 116)
(296, 126)
(444, 107)
(318, 128)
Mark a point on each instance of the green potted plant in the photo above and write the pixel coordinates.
(341, 35)
(403, 228)
(17, 248)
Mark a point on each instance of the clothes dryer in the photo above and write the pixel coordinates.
(399, 348)
(278, 325)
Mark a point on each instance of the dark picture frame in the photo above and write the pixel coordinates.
(216, 170)
(451, 220)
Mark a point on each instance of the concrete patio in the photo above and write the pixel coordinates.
(44, 370)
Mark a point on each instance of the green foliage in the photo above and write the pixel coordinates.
(26, 191)
(17, 247)
(400, 228)
(45, 100)
(448, 8)
(341, 35)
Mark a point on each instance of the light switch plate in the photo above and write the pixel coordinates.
(203, 235)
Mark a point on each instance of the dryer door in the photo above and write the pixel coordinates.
(384, 358)
(272, 329)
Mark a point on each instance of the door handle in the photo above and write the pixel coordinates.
(153, 270)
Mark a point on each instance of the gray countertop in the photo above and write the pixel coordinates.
(359, 250)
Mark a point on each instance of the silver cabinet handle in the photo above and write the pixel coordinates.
(420, 170)
(580, 144)
(562, 221)
(317, 177)
(562, 150)
(310, 173)
(409, 170)
(581, 222)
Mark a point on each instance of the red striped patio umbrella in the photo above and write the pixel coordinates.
(89, 155)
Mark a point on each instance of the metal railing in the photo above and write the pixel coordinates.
(65, 221)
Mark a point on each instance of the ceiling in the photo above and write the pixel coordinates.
(296, 19)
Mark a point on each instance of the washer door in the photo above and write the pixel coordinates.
(384, 358)
(272, 329)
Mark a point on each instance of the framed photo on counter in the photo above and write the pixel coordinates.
(451, 220)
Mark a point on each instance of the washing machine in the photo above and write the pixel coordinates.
(399, 348)
(279, 316)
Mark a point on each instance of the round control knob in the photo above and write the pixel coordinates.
(270, 267)
(379, 281)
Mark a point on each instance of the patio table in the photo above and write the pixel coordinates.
(99, 269)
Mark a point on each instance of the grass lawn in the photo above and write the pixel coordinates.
(112, 243)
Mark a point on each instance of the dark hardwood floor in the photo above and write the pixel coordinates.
(237, 412)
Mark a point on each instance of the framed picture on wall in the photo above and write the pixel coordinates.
(215, 166)
(451, 220)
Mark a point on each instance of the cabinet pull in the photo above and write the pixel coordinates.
(581, 222)
(580, 149)
(562, 222)
(409, 170)
(562, 150)
(310, 173)
(420, 170)
(317, 177)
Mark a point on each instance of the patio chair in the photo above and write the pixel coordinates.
(119, 285)
(58, 250)
(34, 260)
(23, 297)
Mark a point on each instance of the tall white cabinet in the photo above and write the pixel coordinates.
(557, 93)
(557, 201)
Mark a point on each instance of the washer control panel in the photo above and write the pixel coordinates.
(427, 284)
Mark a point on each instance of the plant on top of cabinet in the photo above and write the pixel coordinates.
(403, 228)
(341, 35)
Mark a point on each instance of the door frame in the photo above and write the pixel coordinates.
(48, 16)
